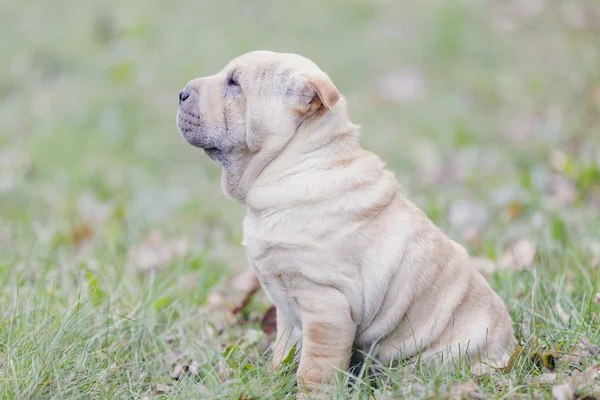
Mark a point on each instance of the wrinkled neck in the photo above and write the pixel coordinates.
(330, 134)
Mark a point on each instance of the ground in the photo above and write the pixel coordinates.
(114, 231)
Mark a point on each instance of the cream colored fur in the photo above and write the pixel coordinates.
(346, 258)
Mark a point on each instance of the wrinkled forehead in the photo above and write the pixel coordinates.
(267, 63)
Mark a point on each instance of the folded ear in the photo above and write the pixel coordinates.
(316, 91)
(325, 89)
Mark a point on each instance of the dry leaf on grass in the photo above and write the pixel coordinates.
(161, 388)
(484, 265)
(225, 302)
(561, 190)
(586, 378)
(177, 372)
(587, 345)
(577, 356)
(464, 390)
(80, 234)
(543, 379)
(156, 252)
(192, 369)
(172, 357)
(269, 321)
(563, 392)
(519, 255)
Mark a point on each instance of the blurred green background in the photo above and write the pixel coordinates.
(488, 111)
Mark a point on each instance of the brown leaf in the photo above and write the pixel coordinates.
(223, 371)
(156, 252)
(177, 372)
(561, 190)
(515, 209)
(523, 129)
(80, 234)
(472, 235)
(269, 321)
(519, 255)
(227, 300)
(161, 388)
(589, 346)
(484, 265)
(585, 378)
(563, 392)
(464, 390)
(171, 357)
(543, 379)
(240, 307)
(191, 369)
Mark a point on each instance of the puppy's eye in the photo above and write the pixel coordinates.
(233, 88)
(233, 82)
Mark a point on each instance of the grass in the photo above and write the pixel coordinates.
(497, 138)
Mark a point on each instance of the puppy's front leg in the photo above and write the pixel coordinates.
(285, 340)
(327, 335)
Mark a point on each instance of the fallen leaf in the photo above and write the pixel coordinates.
(543, 379)
(523, 129)
(561, 190)
(540, 358)
(172, 357)
(589, 346)
(518, 256)
(515, 209)
(227, 300)
(223, 370)
(269, 321)
(462, 214)
(177, 372)
(191, 369)
(484, 265)
(161, 388)
(586, 377)
(472, 235)
(240, 307)
(80, 234)
(573, 14)
(563, 392)
(543, 358)
(464, 390)
(156, 252)
(574, 359)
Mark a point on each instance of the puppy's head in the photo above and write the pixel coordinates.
(255, 104)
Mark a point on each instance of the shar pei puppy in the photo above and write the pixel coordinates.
(348, 260)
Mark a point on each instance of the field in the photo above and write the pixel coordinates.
(117, 247)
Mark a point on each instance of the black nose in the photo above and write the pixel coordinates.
(183, 95)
